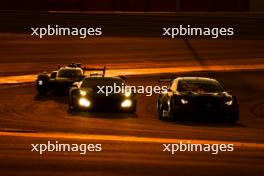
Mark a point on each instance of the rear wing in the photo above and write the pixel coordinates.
(95, 74)
(86, 69)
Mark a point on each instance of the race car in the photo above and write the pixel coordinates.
(62, 79)
(92, 94)
(197, 97)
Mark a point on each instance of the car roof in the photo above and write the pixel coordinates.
(70, 68)
(104, 78)
(196, 79)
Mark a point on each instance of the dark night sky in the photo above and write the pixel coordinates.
(133, 5)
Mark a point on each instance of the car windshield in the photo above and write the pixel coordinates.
(69, 73)
(199, 86)
(96, 82)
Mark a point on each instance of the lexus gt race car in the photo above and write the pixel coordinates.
(197, 97)
(93, 94)
(62, 79)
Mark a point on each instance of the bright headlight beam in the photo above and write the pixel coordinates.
(84, 102)
(126, 104)
(40, 82)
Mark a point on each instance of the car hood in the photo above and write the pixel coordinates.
(220, 95)
(94, 93)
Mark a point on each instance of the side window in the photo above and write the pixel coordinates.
(53, 75)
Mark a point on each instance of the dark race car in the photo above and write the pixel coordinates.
(62, 79)
(197, 97)
(90, 94)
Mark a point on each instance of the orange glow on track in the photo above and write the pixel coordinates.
(126, 139)
(144, 71)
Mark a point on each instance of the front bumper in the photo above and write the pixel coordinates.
(207, 112)
(105, 104)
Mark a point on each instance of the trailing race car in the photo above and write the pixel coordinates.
(93, 94)
(197, 97)
(62, 79)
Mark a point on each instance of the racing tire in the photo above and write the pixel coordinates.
(233, 118)
(166, 114)
(42, 92)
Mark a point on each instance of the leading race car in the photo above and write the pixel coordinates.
(93, 94)
(62, 79)
(197, 97)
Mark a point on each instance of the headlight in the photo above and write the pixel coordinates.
(84, 102)
(82, 93)
(229, 103)
(183, 101)
(40, 82)
(126, 104)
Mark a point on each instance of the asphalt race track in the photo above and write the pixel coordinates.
(132, 144)
(27, 118)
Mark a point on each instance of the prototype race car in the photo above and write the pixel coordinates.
(197, 97)
(62, 79)
(93, 94)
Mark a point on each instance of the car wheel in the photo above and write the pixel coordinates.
(134, 110)
(42, 92)
(233, 118)
(166, 114)
(171, 114)
(160, 111)
(131, 111)
(71, 106)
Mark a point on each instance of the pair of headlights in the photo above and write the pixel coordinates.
(84, 102)
(229, 103)
(127, 94)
